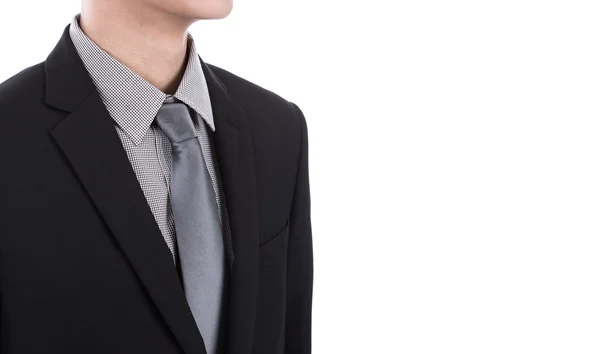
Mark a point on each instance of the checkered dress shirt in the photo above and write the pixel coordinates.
(133, 102)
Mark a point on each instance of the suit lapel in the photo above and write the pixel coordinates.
(235, 154)
(92, 147)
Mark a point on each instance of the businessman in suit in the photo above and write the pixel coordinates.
(151, 203)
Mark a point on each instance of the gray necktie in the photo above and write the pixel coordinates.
(197, 223)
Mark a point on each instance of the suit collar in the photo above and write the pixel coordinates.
(235, 155)
(67, 80)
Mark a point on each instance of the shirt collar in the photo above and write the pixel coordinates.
(132, 101)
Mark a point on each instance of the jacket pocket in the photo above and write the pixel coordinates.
(274, 251)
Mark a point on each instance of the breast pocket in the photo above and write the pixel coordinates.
(270, 318)
(273, 252)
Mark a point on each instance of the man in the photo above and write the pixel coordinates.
(151, 203)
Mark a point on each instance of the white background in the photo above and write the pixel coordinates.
(454, 161)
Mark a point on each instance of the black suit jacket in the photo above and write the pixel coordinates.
(83, 265)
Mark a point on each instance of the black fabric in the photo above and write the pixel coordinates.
(83, 265)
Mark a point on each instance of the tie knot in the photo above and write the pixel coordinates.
(175, 121)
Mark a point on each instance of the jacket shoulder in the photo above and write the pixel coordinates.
(27, 83)
(22, 104)
(251, 96)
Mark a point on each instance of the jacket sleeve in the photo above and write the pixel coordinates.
(300, 257)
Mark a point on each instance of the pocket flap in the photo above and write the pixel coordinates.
(275, 249)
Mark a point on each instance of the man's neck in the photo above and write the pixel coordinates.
(151, 44)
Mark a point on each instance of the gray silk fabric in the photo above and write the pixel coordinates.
(197, 223)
